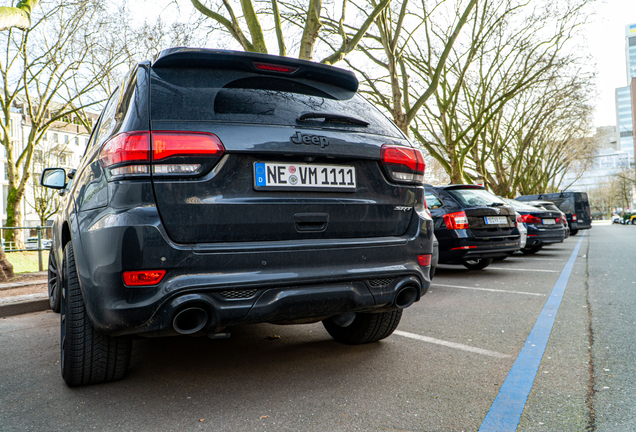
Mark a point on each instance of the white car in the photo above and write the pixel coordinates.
(523, 231)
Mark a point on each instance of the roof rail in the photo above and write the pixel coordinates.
(183, 57)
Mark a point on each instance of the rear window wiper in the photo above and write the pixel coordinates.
(332, 118)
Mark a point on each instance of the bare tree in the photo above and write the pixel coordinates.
(513, 46)
(44, 78)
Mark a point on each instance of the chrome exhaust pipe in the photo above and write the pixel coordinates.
(405, 297)
(190, 320)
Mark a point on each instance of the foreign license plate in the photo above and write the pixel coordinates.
(496, 220)
(549, 221)
(273, 175)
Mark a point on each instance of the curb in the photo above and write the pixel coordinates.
(12, 309)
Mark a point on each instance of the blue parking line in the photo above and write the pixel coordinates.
(506, 410)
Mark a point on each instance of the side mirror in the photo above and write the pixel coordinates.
(54, 178)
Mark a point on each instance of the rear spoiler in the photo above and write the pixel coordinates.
(255, 62)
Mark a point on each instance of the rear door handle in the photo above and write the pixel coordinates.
(311, 222)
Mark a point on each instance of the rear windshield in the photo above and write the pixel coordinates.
(521, 207)
(244, 97)
(474, 197)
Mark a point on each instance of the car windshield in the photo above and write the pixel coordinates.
(470, 197)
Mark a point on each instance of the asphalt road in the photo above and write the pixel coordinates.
(440, 372)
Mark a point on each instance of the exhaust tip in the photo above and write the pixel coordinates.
(406, 297)
(190, 320)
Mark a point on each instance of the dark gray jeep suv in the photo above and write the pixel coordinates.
(225, 188)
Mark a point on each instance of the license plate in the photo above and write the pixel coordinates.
(549, 221)
(496, 220)
(273, 175)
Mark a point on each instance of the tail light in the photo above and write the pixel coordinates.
(135, 154)
(127, 154)
(574, 218)
(456, 221)
(528, 218)
(558, 220)
(275, 67)
(424, 260)
(403, 164)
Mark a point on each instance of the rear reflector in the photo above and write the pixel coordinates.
(424, 260)
(143, 277)
(167, 144)
(464, 247)
(126, 147)
(455, 221)
(275, 67)
(403, 164)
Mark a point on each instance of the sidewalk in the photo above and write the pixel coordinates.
(25, 296)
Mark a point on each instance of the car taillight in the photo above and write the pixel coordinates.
(528, 218)
(456, 220)
(132, 154)
(558, 220)
(403, 164)
(127, 154)
(143, 277)
(275, 67)
(180, 148)
(574, 217)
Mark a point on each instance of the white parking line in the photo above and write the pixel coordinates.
(526, 259)
(489, 289)
(452, 344)
(518, 269)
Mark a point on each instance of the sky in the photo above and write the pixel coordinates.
(605, 39)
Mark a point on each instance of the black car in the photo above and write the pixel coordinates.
(225, 188)
(549, 205)
(544, 226)
(472, 225)
(575, 205)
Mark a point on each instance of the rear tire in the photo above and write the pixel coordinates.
(574, 232)
(365, 328)
(54, 284)
(477, 264)
(88, 357)
(532, 250)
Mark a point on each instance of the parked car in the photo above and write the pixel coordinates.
(616, 219)
(225, 188)
(544, 226)
(548, 205)
(472, 225)
(575, 205)
(32, 243)
(523, 231)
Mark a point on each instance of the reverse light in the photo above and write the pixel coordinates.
(528, 218)
(403, 164)
(456, 220)
(424, 260)
(143, 277)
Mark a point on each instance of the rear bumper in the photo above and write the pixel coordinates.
(239, 283)
(456, 250)
(537, 236)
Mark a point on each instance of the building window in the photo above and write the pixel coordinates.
(63, 159)
(76, 141)
(6, 172)
(37, 156)
(65, 139)
(56, 138)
